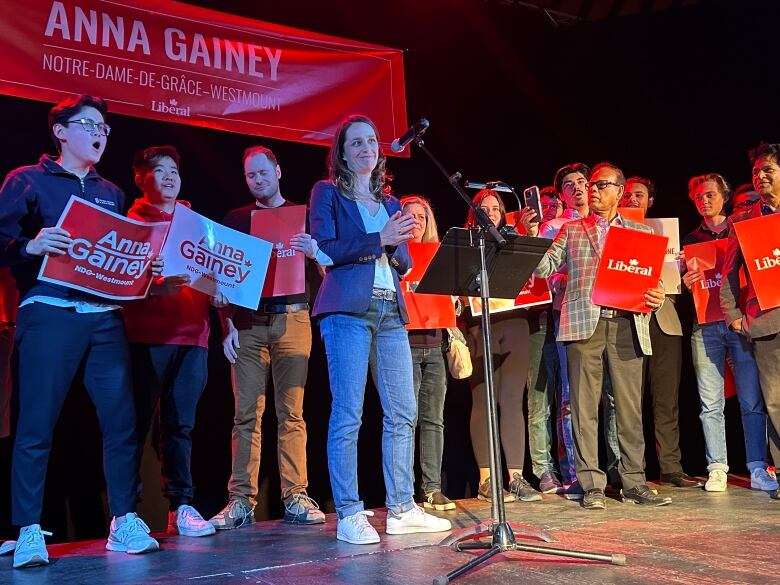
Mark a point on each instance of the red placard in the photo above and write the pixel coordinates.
(759, 239)
(535, 292)
(630, 263)
(9, 297)
(110, 255)
(707, 257)
(179, 63)
(285, 274)
(636, 214)
(425, 311)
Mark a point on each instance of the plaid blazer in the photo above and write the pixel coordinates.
(577, 246)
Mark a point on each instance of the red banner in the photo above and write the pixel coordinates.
(759, 240)
(425, 311)
(178, 63)
(285, 274)
(630, 263)
(110, 255)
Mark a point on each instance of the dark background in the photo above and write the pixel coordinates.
(666, 94)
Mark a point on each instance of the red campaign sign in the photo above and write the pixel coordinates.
(110, 255)
(630, 263)
(425, 311)
(707, 257)
(636, 214)
(277, 225)
(535, 292)
(178, 63)
(759, 239)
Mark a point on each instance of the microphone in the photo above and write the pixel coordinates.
(494, 185)
(412, 133)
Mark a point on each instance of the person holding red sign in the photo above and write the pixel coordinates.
(711, 343)
(168, 334)
(58, 329)
(762, 327)
(664, 366)
(273, 339)
(595, 335)
(429, 373)
(361, 235)
(510, 347)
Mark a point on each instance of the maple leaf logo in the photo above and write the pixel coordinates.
(248, 262)
(173, 102)
(776, 251)
(633, 261)
(717, 276)
(279, 246)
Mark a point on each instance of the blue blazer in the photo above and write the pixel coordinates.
(337, 226)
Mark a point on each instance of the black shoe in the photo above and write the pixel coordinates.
(681, 479)
(775, 495)
(594, 500)
(641, 494)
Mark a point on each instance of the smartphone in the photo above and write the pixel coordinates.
(531, 197)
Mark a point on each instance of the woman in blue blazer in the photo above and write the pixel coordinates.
(361, 235)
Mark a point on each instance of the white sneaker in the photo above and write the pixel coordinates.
(130, 534)
(761, 480)
(415, 520)
(30, 549)
(717, 481)
(187, 521)
(356, 529)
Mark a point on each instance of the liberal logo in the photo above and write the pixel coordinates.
(281, 252)
(632, 267)
(172, 107)
(711, 282)
(768, 261)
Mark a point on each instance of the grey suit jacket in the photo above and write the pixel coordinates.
(668, 320)
(577, 246)
(756, 322)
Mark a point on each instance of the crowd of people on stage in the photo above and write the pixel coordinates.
(572, 362)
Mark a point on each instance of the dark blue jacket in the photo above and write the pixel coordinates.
(32, 198)
(337, 226)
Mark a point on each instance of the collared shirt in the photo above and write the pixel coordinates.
(766, 210)
(603, 225)
(551, 228)
(704, 234)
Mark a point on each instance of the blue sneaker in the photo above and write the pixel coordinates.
(30, 548)
(131, 535)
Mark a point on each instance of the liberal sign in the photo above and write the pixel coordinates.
(178, 63)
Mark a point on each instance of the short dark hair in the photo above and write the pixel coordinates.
(643, 181)
(722, 184)
(765, 150)
(743, 188)
(253, 150)
(549, 192)
(145, 159)
(621, 178)
(62, 112)
(567, 170)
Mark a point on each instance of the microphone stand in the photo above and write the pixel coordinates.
(500, 530)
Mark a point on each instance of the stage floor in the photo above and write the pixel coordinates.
(701, 538)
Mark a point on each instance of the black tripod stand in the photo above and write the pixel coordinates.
(450, 272)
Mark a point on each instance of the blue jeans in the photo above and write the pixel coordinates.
(430, 387)
(710, 343)
(565, 438)
(376, 338)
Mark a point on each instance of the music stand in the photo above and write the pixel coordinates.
(467, 264)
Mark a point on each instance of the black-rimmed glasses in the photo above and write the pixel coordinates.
(91, 126)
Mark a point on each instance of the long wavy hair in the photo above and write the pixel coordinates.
(431, 232)
(340, 174)
(478, 199)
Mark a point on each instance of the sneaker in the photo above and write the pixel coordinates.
(30, 548)
(356, 529)
(522, 490)
(717, 481)
(574, 491)
(236, 514)
(642, 494)
(761, 480)
(415, 520)
(594, 500)
(130, 535)
(301, 509)
(485, 493)
(775, 495)
(187, 521)
(550, 484)
(438, 501)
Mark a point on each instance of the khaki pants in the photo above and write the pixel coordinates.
(282, 341)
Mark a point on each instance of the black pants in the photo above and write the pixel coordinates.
(51, 344)
(173, 377)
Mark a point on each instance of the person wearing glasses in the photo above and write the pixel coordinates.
(663, 367)
(759, 325)
(744, 196)
(361, 237)
(597, 335)
(59, 329)
(710, 344)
